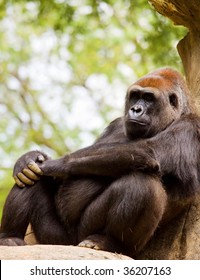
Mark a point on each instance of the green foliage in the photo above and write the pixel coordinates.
(6, 184)
(65, 66)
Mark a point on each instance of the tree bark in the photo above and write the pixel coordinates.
(181, 12)
(178, 240)
(189, 51)
(186, 13)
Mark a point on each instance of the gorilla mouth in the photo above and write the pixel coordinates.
(137, 122)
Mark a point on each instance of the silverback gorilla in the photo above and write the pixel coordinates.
(139, 174)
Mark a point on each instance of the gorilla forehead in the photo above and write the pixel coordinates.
(153, 81)
(164, 78)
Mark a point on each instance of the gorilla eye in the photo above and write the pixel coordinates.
(134, 95)
(173, 100)
(149, 97)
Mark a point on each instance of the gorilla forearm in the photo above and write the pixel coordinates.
(111, 161)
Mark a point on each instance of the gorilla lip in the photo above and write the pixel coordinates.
(137, 122)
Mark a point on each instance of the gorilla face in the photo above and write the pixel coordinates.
(152, 104)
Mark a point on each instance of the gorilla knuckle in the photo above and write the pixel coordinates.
(34, 167)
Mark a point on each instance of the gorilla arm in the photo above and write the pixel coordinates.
(176, 150)
(107, 160)
(110, 155)
(112, 161)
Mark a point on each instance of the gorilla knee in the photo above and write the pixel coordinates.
(136, 211)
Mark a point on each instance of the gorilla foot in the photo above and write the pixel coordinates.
(100, 242)
(89, 244)
(12, 241)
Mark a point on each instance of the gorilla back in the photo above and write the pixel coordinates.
(139, 174)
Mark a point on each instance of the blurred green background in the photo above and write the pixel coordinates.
(65, 66)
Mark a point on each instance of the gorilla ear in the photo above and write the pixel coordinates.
(173, 99)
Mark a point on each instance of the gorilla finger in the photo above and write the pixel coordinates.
(35, 168)
(24, 179)
(40, 158)
(18, 182)
(30, 174)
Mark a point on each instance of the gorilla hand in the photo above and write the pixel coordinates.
(26, 170)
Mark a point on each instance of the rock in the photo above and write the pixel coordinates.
(34, 251)
(55, 252)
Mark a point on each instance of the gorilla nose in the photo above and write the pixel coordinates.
(137, 110)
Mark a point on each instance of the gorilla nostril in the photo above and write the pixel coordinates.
(138, 109)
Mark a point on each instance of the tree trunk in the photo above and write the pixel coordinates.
(181, 238)
(189, 51)
(186, 13)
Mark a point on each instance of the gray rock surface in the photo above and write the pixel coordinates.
(55, 252)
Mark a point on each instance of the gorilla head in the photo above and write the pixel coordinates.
(154, 102)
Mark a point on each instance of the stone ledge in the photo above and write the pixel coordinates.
(56, 252)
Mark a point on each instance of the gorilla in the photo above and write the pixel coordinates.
(113, 195)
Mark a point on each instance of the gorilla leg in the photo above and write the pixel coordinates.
(45, 222)
(75, 194)
(35, 205)
(15, 217)
(128, 212)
